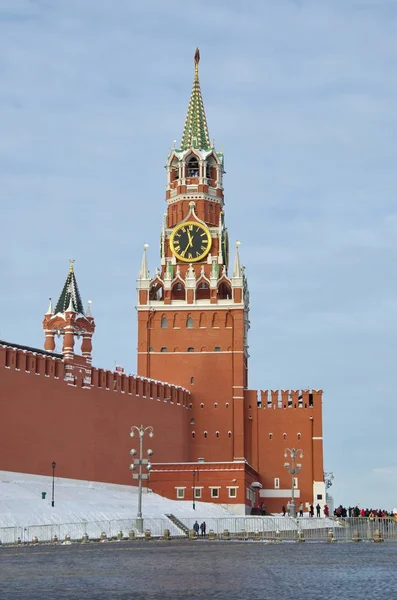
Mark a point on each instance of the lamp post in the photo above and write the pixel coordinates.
(328, 479)
(293, 469)
(140, 462)
(194, 487)
(54, 464)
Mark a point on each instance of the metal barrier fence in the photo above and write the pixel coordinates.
(238, 528)
(93, 529)
(287, 528)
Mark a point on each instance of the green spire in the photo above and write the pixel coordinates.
(195, 133)
(70, 295)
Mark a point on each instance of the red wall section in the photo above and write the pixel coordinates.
(213, 377)
(84, 429)
(284, 419)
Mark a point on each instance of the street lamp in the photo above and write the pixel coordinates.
(54, 464)
(140, 462)
(194, 487)
(293, 469)
(328, 479)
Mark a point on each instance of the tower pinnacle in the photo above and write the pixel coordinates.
(237, 271)
(195, 132)
(70, 295)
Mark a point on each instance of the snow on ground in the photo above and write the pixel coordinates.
(83, 507)
(77, 501)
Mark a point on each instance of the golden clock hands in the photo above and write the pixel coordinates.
(190, 245)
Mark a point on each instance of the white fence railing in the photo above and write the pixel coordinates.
(258, 528)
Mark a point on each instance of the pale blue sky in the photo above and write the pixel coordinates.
(302, 96)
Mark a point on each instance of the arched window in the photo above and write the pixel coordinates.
(164, 323)
(270, 436)
(163, 349)
(229, 434)
(174, 171)
(192, 380)
(210, 169)
(205, 433)
(217, 434)
(156, 292)
(285, 436)
(203, 291)
(193, 434)
(177, 322)
(229, 320)
(215, 404)
(150, 349)
(190, 349)
(299, 436)
(202, 405)
(203, 320)
(178, 291)
(217, 349)
(192, 167)
(189, 323)
(215, 320)
(227, 405)
(224, 291)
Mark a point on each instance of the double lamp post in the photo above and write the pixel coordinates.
(293, 468)
(140, 463)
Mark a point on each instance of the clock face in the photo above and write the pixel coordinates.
(190, 241)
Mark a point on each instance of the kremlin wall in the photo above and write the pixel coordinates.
(214, 439)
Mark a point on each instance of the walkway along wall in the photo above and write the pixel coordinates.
(80, 417)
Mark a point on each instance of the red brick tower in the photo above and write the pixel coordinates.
(193, 315)
(70, 320)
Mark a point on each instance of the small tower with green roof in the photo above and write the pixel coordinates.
(69, 319)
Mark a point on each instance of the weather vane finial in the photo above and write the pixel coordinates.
(71, 261)
(196, 61)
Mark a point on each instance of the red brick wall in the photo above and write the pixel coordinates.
(282, 413)
(212, 377)
(86, 431)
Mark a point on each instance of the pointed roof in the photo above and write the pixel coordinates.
(70, 295)
(144, 271)
(237, 270)
(50, 310)
(195, 132)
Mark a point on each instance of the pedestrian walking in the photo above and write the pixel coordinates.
(196, 528)
(311, 510)
(318, 510)
(283, 510)
(301, 509)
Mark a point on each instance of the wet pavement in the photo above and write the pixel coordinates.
(180, 569)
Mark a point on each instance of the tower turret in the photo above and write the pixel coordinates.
(69, 320)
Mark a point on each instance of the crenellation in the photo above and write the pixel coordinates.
(289, 398)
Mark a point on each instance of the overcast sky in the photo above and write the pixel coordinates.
(302, 97)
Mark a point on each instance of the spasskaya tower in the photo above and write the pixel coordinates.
(193, 313)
